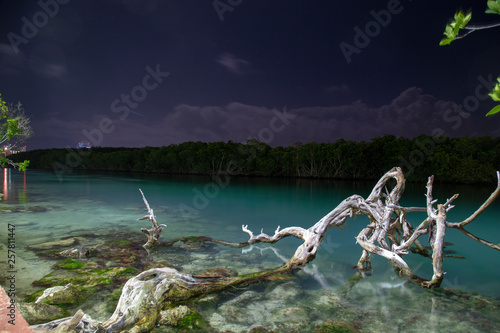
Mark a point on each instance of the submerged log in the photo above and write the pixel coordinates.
(389, 234)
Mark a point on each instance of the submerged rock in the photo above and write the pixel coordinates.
(67, 295)
(37, 313)
(336, 325)
(175, 316)
(55, 244)
(78, 253)
(71, 271)
(289, 291)
(74, 283)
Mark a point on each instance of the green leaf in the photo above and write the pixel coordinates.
(461, 21)
(467, 19)
(493, 7)
(495, 93)
(446, 41)
(496, 109)
(495, 96)
(23, 166)
(452, 29)
(13, 128)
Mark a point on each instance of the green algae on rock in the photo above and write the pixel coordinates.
(37, 313)
(181, 316)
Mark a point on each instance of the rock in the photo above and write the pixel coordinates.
(336, 325)
(249, 308)
(328, 299)
(208, 302)
(78, 253)
(37, 209)
(235, 310)
(174, 316)
(83, 276)
(50, 245)
(68, 294)
(37, 313)
(293, 319)
(71, 253)
(244, 298)
(289, 291)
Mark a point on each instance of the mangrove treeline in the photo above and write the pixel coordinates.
(459, 160)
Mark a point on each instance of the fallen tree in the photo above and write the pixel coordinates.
(389, 234)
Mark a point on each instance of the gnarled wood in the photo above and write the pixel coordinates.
(154, 233)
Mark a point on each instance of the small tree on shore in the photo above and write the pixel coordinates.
(14, 131)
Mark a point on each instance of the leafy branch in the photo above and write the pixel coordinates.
(14, 129)
(495, 95)
(460, 22)
(453, 28)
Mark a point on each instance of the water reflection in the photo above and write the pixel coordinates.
(311, 269)
(6, 183)
(9, 188)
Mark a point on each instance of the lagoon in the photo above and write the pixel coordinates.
(45, 208)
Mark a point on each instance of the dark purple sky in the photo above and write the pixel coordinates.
(150, 72)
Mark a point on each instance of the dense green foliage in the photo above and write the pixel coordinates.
(461, 160)
(14, 128)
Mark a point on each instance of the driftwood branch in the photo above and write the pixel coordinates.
(154, 233)
(389, 233)
(460, 225)
(481, 209)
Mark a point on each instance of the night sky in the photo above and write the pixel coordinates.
(137, 73)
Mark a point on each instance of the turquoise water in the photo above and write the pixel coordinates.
(44, 208)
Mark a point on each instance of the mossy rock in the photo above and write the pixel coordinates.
(50, 254)
(71, 271)
(197, 243)
(160, 264)
(78, 252)
(69, 264)
(55, 244)
(65, 296)
(182, 317)
(60, 278)
(121, 252)
(112, 299)
(192, 320)
(37, 313)
(121, 242)
(84, 282)
(336, 326)
(260, 329)
(34, 296)
(331, 329)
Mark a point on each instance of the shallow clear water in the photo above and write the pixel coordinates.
(44, 208)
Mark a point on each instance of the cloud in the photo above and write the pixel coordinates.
(410, 114)
(49, 70)
(233, 64)
(13, 64)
